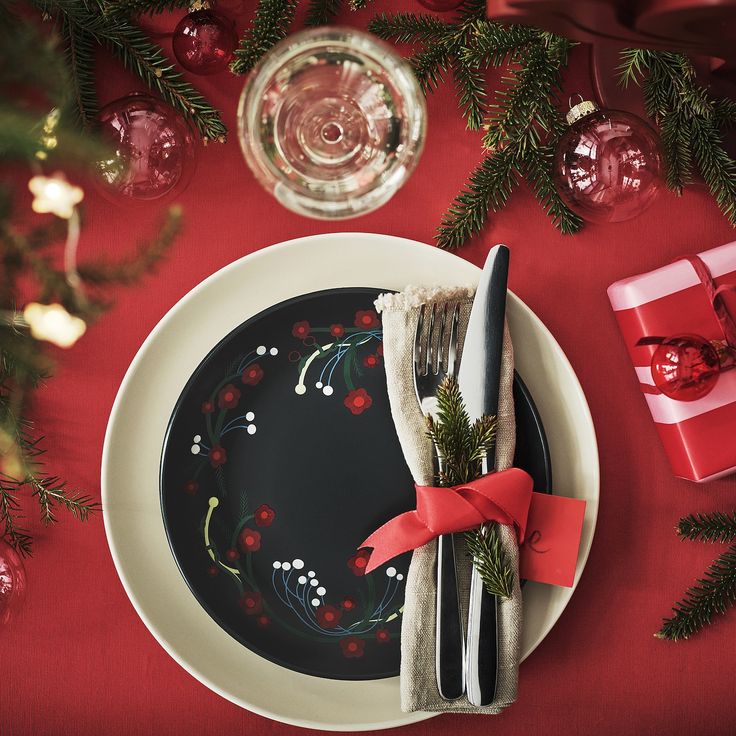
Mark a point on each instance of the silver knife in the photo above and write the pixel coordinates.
(478, 379)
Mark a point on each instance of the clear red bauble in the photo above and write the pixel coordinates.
(608, 166)
(441, 5)
(204, 41)
(153, 150)
(12, 583)
(685, 367)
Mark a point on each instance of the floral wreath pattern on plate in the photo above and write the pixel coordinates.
(346, 346)
(314, 613)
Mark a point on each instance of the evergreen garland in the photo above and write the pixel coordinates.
(462, 446)
(85, 24)
(690, 121)
(715, 592)
(522, 122)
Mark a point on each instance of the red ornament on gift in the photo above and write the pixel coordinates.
(608, 164)
(685, 367)
(204, 41)
(153, 149)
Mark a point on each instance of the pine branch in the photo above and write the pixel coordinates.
(690, 121)
(488, 188)
(491, 561)
(131, 8)
(10, 516)
(80, 57)
(409, 28)
(130, 270)
(716, 166)
(492, 44)
(51, 492)
(470, 84)
(147, 60)
(430, 65)
(140, 55)
(321, 12)
(715, 527)
(538, 172)
(712, 595)
(269, 26)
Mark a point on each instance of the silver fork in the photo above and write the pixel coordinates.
(435, 357)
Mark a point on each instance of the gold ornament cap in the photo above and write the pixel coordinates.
(580, 110)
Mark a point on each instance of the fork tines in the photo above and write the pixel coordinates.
(436, 347)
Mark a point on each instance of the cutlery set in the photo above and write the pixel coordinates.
(465, 664)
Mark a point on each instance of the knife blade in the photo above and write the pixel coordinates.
(478, 378)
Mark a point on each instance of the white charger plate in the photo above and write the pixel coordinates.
(140, 415)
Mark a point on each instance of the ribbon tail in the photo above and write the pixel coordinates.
(398, 535)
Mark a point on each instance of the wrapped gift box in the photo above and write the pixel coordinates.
(698, 436)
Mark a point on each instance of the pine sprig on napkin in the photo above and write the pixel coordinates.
(462, 445)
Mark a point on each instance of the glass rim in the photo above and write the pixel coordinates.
(360, 43)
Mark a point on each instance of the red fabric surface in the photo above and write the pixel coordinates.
(78, 660)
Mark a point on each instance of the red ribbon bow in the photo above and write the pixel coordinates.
(503, 497)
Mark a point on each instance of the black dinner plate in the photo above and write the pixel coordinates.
(280, 458)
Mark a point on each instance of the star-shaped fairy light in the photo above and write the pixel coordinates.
(51, 322)
(54, 194)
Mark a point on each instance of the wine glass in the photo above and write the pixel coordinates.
(332, 122)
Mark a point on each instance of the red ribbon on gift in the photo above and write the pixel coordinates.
(715, 296)
(503, 497)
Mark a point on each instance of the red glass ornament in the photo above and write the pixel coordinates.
(153, 149)
(608, 164)
(204, 41)
(441, 5)
(685, 367)
(12, 582)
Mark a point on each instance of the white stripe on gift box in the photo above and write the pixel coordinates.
(648, 287)
(644, 375)
(668, 411)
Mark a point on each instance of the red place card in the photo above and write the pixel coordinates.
(553, 529)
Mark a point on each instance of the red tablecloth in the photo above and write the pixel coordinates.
(78, 660)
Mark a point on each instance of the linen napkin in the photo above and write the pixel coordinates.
(418, 685)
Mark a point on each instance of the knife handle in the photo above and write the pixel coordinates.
(482, 643)
(450, 643)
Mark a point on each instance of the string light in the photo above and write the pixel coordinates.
(51, 322)
(54, 194)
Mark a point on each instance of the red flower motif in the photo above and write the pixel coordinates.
(252, 375)
(217, 456)
(228, 397)
(232, 555)
(367, 319)
(352, 647)
(383, 636)
(263, 621)
(370, 361)
(358, 400)
(212, 571)
(191, 487)
(301, 329)
(379, 349)
(249, 540)
(264, 515)
(251, 602)
(337, 330)
(359, 561)
(348, 604)
(207, 407)
(328, 617)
